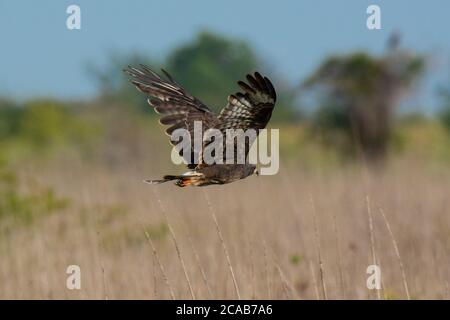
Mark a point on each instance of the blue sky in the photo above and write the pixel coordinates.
(41, 57)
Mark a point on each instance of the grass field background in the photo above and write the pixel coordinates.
(274, 228)
(364, 178)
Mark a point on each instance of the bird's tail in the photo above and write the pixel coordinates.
(164, 179)
(182, 180)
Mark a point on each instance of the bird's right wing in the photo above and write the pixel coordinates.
(178, 108)
(251, 109)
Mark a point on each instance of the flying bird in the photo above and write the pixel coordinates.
(249, 109)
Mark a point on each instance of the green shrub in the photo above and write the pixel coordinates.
(24, 207)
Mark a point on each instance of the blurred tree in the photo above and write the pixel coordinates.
(42, 124)
(444, 113)
(208, 67)
(211, 65)
(10, 114)
(360, 93)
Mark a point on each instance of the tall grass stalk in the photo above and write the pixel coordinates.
(202, 271)
(372, 239)
(177, 247)
(161, 267)
(397, 253)
(318, 249)
(230, 267)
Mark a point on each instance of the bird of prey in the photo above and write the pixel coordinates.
(249, 109)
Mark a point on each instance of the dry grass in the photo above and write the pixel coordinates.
(265, 225)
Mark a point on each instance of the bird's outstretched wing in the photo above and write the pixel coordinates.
(178, 108)
(249, 110)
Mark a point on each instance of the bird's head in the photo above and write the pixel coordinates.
(247, 170)
(251, 169)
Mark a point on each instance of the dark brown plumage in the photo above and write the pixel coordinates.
(250, 109)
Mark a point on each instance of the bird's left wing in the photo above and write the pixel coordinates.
(178, 108)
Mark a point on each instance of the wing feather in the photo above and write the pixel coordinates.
(178, 109)
(251, 109)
